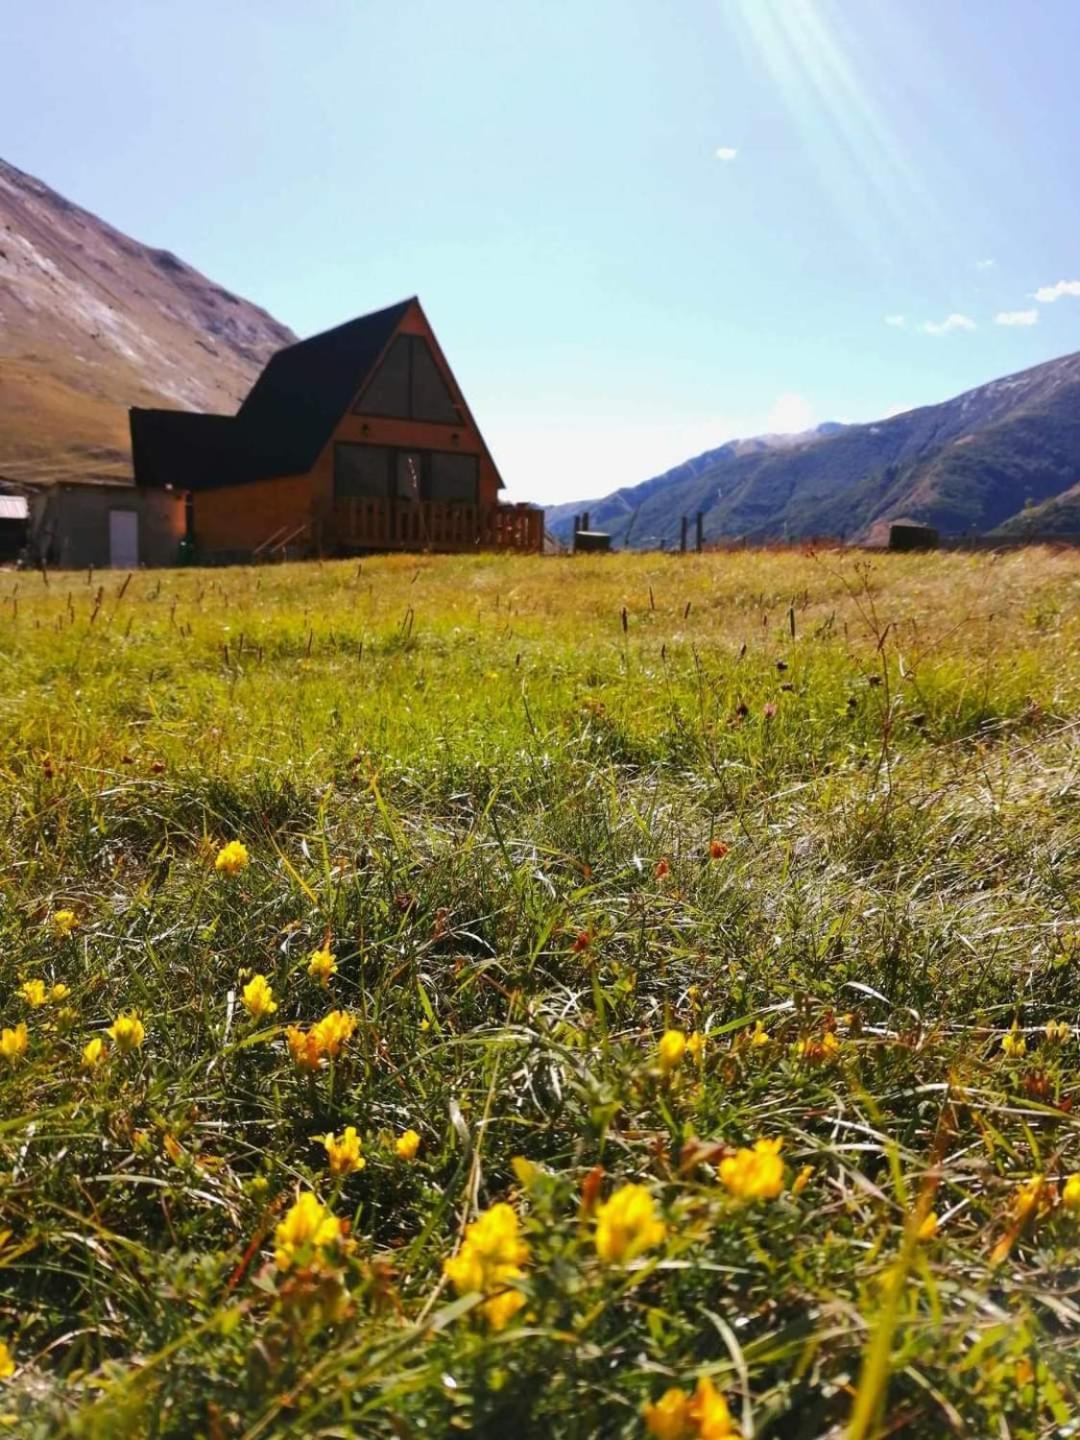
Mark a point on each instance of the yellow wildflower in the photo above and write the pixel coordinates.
(1070, 1195)
(93, 1053)
(1032, 1198)
(701, 1416)
(669, 1417)
(306, 1233)
(232, 858)
(59, 991)
(14, 1043)
(929, 1226)
(127, 1032)
(627, 1225)
(1057, 1032)
(304, 1048)
(406, 1145)
(710, 1414)
(322, 966)
(64, 922)
(344, 1155)
(671, 1049)
(759, 1036)
(33, 992)
(490, 1259)
(1013, 1043)
(819, 1052)
(258, 998)
(695, 1046)
(7, 1362)
(756, 1174)
(332, 1031)
(802, 1179)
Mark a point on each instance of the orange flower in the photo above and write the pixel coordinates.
(304, 1048)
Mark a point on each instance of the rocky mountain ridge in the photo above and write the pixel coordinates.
(92, 322)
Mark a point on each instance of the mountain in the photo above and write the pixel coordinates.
(616, 509)
(969, 465)
(92, 322)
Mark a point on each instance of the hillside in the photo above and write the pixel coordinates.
(967, 466)
(92, 322)
(1054, 518)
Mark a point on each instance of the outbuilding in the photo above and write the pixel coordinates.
(74, 524)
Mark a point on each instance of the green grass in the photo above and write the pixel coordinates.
(449, 771)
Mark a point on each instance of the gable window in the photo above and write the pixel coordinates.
(431, 399)
(409, 385)
(387, 392)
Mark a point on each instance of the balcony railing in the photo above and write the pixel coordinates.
(430, 525)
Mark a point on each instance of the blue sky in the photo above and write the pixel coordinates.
(639, 229)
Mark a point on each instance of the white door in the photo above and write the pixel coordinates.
(124, 539)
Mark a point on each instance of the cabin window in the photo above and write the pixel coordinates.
(452, 479)
(409, 475)
(376, 472)
(361, 472)
(409, 386)
(431, 399)
(387, 391)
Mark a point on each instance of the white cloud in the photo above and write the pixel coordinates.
(791, 413)
(726, 152)
(1047, 294)
(1016, 317)
(951, 322)
(985, 264)
(898, 322)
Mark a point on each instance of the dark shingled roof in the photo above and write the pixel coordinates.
(280, 428)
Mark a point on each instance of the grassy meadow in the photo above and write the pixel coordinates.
(668, 1013)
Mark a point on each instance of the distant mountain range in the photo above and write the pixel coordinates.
(1001, 459)
(92, 322)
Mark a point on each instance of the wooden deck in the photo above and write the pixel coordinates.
(427, 525)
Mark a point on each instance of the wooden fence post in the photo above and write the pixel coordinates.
(700, 537)
(682, 535)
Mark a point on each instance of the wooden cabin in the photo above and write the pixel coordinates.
(357, 439)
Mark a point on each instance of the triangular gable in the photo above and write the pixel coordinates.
(407, 372)
(408, 384)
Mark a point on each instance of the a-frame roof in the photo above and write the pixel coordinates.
(307, 387)
(286, 419)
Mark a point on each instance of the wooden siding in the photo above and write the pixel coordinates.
(239, 518)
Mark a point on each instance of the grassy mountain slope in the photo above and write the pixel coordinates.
(966, 465)
(91, 322)
(1058, 516)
